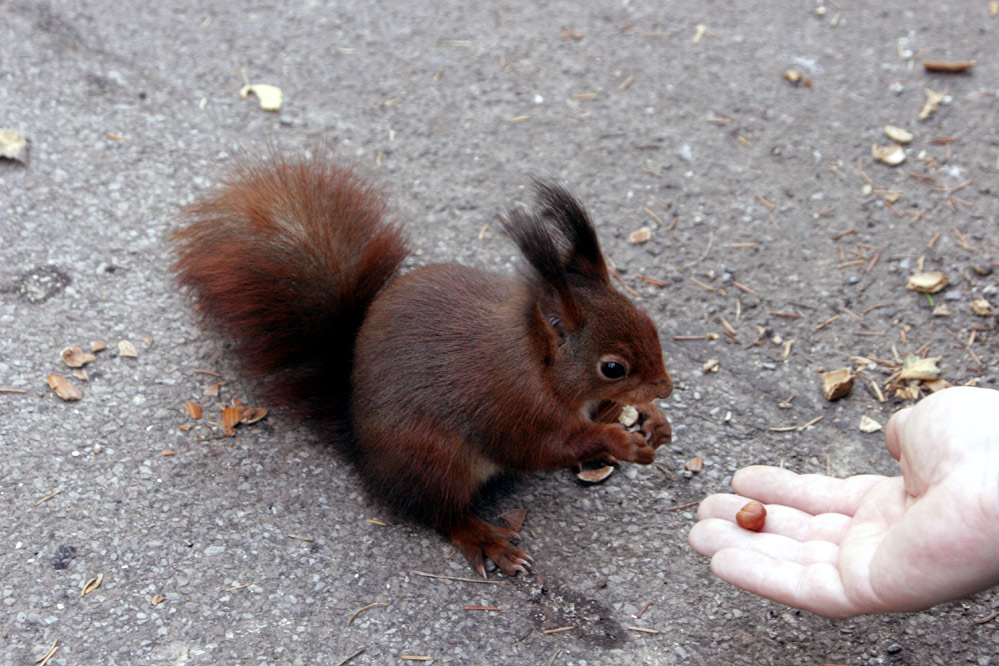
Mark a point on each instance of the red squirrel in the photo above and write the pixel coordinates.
(440, 377)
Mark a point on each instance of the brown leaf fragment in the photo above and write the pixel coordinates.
(514, 518)
(230, 417)
(168, 452)
(935, 385)
(80, 374)
(893, 154)
(63, 388)
(13, 145)
(75, 357)
(97, 346)
(837, 383)
(212, 390)
(926, 283)
(157, 599)
(925, 369)
(933, 100)
(941, 310)
(898, 134)
(869, 425)
(127, 350)
(792, 76)
(711, 365)
(92, 585)
(595, 475)
(948, 66)
(252, 415)
(640, 236)
(981, 307)
(695, 465)
(193, 408)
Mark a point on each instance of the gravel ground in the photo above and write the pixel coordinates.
(768, 215)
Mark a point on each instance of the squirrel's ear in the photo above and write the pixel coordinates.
(558, 206)
(551, 312)
(551, 274)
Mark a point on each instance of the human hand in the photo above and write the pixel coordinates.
(869, 544)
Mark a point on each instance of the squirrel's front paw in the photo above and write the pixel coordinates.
(654, 425)
(630, 446)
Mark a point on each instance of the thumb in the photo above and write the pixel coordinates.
(893, 432)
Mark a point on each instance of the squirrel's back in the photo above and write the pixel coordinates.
(284, 258)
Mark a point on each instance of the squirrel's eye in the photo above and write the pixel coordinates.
(613, 369)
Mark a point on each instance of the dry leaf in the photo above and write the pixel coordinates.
(711, 365)
(941, 310)
(230, 417)
(193, 408)
(212, 390)
(640, 236)
(514, 518)
(127, 350)
(837, 383)
(792, 75)
(253, 414)
(897, 134)
(91, 585)
(628, 416)
(270, 97)
(75, 357)
(933, 100)
(926, 283)
(147, 340)
(948, 66)
(157, 599)
(915, 368)
(97, 346)
(695, 464)
(167, 453)
(63, 388)
(81, 374)
(595, 475)
(869, 425)
(935, 385)
(892, 154)
(981, 307)
(13, 145)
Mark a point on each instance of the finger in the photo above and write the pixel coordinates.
(817, 588)
(713, 535)
(893, 432)
(812, 493)
(783, 520)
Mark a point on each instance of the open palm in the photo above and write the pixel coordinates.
(844, 547)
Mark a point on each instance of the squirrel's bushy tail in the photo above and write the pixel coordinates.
(284, 258)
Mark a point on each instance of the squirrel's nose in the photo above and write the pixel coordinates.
(664, 387)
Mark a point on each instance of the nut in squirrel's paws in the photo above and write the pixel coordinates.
(648, 419)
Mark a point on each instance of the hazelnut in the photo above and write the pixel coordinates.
(752, 516)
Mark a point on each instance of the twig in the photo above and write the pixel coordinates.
(711, 240)
(644, 630)
(361, 610)
(558, 630)
(4, 390)
(346, 659)
(48, 497)
(681, 507)
(455, 578)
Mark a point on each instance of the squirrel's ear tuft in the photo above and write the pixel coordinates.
(557, 205)
(536, 242)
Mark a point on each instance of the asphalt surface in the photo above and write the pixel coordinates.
(262, 547)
